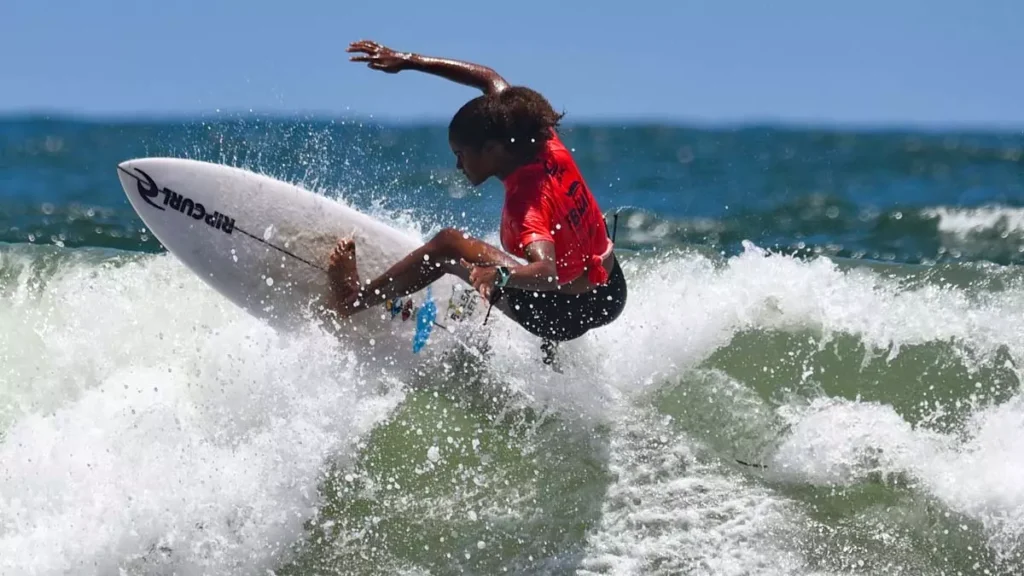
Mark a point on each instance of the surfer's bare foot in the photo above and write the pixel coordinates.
(344, 277)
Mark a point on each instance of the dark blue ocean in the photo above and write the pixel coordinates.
(840, 310)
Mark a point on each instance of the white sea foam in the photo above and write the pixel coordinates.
(146, 420)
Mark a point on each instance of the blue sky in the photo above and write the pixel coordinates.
(877, 62)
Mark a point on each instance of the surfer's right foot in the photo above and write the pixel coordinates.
(343, 276)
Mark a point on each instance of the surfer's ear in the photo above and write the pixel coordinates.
(495, 152)
(490, 147)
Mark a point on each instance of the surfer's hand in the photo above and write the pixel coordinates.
(483, 278)
(379, 57)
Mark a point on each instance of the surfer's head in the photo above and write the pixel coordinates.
(492, 135)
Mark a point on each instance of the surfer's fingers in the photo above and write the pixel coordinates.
(362, 46)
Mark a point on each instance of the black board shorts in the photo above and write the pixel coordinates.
(560, 317)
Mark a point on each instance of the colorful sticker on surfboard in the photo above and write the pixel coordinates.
(400, 307)
(426, 316)
(461, 306)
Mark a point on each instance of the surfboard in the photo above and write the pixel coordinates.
(265, 244)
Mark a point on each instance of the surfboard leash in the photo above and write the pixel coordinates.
(494, 298)
(751, 465)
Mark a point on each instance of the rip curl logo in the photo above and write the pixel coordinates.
(554, 168)
(149, 191)
(581, 202)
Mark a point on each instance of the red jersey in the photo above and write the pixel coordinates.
(548, 200)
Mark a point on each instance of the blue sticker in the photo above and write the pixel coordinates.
(425, 317)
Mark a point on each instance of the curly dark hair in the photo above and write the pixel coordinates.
(518, 117)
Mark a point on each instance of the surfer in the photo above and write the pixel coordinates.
(571, 282)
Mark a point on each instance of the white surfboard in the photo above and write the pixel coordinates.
(265, 244)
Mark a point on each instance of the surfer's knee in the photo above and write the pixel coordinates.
(446, 241)
(450, 246)
(449, 236)
(443, 249)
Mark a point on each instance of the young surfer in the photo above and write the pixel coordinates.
(571, 282)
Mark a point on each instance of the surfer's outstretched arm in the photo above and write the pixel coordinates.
(385, 59)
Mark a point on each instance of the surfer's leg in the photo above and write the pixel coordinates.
(441, 255)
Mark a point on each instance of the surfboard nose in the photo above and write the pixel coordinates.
(125, 173)
(125, 167)
(130, 171)
(133, 166)
(130, 165)
(130, 174)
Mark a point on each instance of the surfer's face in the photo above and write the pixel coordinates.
(476, 164)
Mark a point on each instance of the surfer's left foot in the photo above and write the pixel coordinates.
(344, 277)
